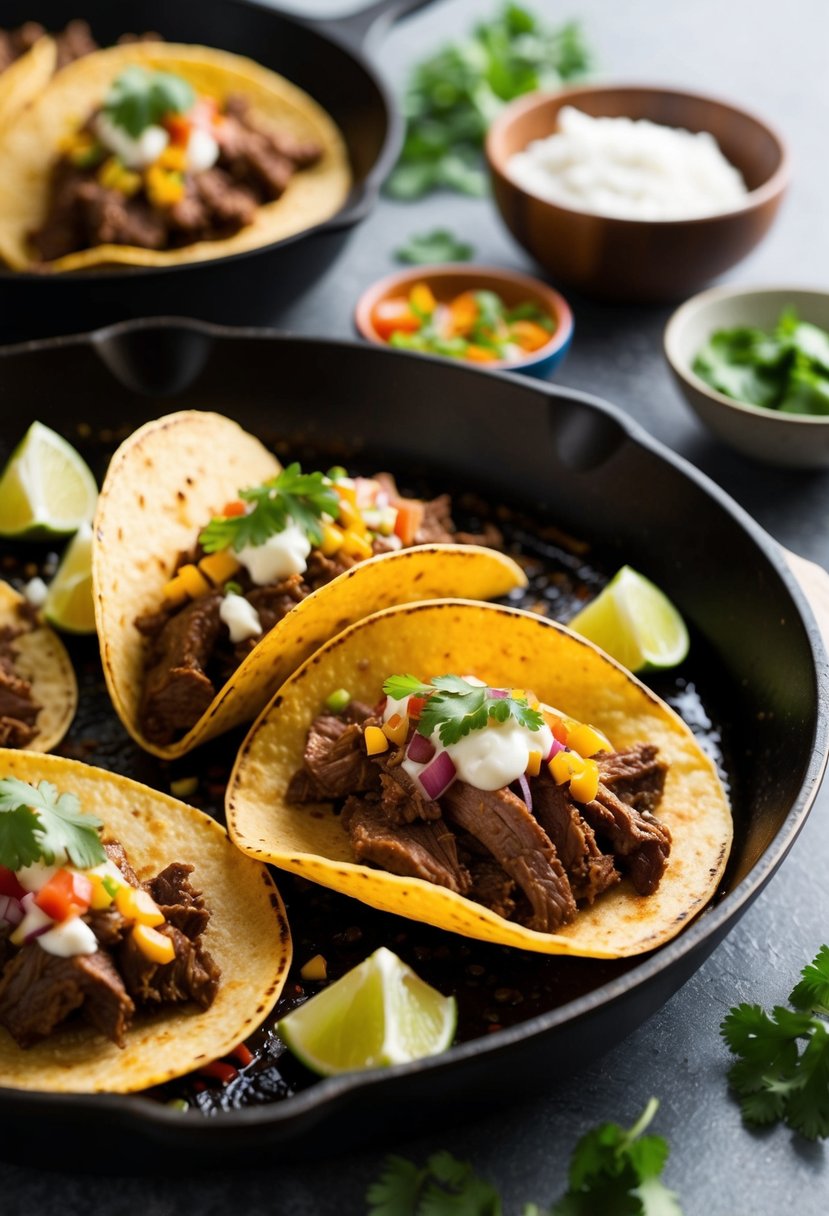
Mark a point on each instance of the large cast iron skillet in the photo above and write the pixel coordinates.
(323, 57)
(597, 474)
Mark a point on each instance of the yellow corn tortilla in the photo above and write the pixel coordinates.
(248, 937)
(41, 659)
(30, 145)
(503, 647)
(163, 486)
(25, 79)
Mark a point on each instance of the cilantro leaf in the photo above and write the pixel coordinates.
(291, 496)
(399, 687)
(41, 824)
(455, 706)
(439, 245)
(138, 98)
(813, 990)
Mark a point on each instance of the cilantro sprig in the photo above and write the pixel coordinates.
(613, 1171)
(439, 245)
(454, 706)
(138, 98)
(39, 824)
(774, 1079)
(291, 496)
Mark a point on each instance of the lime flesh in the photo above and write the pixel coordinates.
(635, 623)
(69, 604)
(46, 489)
(377, 1014)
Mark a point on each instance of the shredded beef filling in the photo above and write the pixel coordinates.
(40, 991)
(18, 707)
(535, 867)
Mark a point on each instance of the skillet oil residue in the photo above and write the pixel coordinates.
(495, 986)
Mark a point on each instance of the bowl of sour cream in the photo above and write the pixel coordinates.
(633, 193)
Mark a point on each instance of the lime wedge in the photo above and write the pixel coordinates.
(378, 1013)
(635, 623)
(69, 604)
(46, 489)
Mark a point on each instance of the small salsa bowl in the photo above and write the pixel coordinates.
(450, 280)
(766, 435)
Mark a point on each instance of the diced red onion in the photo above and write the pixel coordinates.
(11, 913)
(525, 790)
(28, 903)
(555, 749)
(438, 776)
(421, 750)
(498, 694)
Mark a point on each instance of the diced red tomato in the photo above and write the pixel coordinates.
(9, 884)
(237, 507)
(415, 707)
(178, 127)
(409, 518)
(65, 894)
(389, 316)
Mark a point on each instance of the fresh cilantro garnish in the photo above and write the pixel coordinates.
(302, 498)
(439, 245)
(38, 824)
(138, 98)
(454, 707)
(773, 1078)
(613, 1172)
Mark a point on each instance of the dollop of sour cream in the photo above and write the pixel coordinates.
(135, 152)
(69, 938)
(202, 150)
(241, 618)
(283, 554)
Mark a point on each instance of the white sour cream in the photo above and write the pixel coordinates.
(69, 938)
(135, 153)
(241, 618)
(202, 150)
(282, 554)
(629, 169)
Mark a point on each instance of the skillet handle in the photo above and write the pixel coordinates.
(814, 583)
(368, 25)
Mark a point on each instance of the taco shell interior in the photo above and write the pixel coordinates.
(503, 647)
(163, 485)
(25, 79)
(247, 935)
(30, 144)
(43, 661)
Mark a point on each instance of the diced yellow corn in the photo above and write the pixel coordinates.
(517, 694)
(350, 517)
(136, 904)
(175, 592)
(184, 787)
(534, 764)
(101, 898)
(565, 765)
(154, 945)
(315, 969)
(332, 539)
(194, 581)
(173, 157)
(376, 741)
(422, 298)
(129, 183)
(585, 786)
(347, 490)
(113, 175)
(219, 567)
(356, 546)
(586, 740)
(396, 729)
(164, 189)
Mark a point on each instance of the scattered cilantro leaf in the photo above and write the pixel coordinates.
(774, 1079)
(439, 245)
(138, 98)
(292, 495)
(39, 824)
(454, 706)
(453, 95)
(444, 1187)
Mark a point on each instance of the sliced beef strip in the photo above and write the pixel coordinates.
(38, 991)
(590, 871)
(640, 842)
(502, 822)
(115, 853)
(636, 776)
(177, 690)
(181, 905)
(417, 850)
(335, 763)
(191, 976)
(402, 799)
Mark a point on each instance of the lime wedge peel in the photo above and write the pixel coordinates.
(378, 1014)
(635, 623)
(46, 489)
(69, 604)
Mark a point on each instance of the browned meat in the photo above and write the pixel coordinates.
(322, 569)
(181, 904)
(38, 991)
(590, 871)
(402, 799)
(418, 850)
(503, 824)
(108, 925)
(492, 886)
(191, 976)
(115, 853)
(276, 600)
(436, 526)
(335, 763)
(640, 842)
(177, 690)
(18, 707)
(228, 206)
(74, 42)
(636, 777)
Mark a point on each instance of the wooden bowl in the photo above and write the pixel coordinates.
(639, 260)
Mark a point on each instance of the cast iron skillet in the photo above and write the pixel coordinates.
(323, 57)
(564, 455)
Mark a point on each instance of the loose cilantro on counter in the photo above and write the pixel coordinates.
(454, 707)
(454, 95)
(440, 245)
(774, 1079)
(291, 495)
(39, 824)
(613, 1172)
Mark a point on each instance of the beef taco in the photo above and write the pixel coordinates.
(486, 771)
(216, 572)
(38, 689)
(136, 942)
(151, 154)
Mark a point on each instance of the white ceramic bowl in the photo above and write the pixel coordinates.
(794, 440)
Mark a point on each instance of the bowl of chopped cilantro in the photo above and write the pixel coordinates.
(483, 315)
(753, 364)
